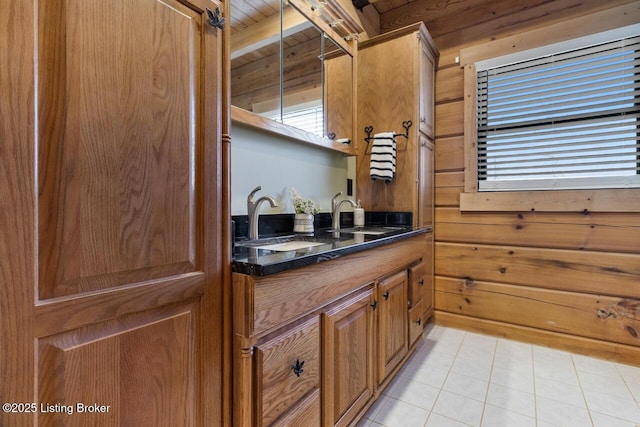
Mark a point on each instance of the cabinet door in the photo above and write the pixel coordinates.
(347, 358)
(117, 189)
(426, 183)
(427, 86)
(416, 324)
(416, 283)
(287, 370)
(392, 323)
(428, 285)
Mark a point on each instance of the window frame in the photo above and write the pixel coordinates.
(601, 200)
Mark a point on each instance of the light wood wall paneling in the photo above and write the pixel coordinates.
(448, 119)
(449, 24)
(449, 83)
(595, 348)
(616, 232)
(591, 254)
(449, 58)
(577, 271)
(449, 154)
(448, 186)
(593, 316)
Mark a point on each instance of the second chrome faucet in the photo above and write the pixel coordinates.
(335, 212)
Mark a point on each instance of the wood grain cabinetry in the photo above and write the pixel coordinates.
(346, 319)
(426, 82)
(113, 212)
(392, 323)
(396, 74)
(287, 369)
(348, 355)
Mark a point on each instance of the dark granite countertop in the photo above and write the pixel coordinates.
(250, 257)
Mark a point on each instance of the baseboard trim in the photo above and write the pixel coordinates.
(614, 352)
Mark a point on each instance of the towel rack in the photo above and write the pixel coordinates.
(369, 129)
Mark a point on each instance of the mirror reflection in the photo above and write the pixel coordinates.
(288, 70)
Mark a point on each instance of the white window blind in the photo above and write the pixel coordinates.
(564, 121)
(308, 118)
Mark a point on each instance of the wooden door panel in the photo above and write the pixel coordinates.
(348, 358)
(138, 370)
(116, 174)
(392, 323)
(117, 143)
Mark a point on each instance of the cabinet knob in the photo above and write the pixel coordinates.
(374, 305)
(421, 282)
(215, 20)
(423, 119)
(419, 321)
(298, 368)
(386, 295)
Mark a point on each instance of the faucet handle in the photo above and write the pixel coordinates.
(334, 201)
(254, 191)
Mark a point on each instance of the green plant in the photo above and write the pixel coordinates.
(302, 205)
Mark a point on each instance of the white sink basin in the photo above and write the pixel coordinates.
(370, 230)
(293, 245)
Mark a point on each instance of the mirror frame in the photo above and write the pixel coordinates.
(344, 34)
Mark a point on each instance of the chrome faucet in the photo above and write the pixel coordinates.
(253, 208)
(336, 212)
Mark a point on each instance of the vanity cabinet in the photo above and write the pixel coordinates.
(316, 345)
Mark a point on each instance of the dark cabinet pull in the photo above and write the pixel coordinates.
(419, 322)
(297, 368)
(421, 282)
(386, 295)
(215, 20)
(374, 305)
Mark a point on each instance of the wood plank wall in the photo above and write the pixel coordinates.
(564, 279)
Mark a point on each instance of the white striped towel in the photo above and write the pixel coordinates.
(382, 164)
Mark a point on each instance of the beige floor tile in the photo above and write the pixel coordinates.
(466, 386)
(459, 408)
(499, 417)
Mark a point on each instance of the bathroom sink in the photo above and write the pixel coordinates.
(370, 230)
(283, 243)
(293, 245)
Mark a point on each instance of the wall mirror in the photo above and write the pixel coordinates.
(291, 64)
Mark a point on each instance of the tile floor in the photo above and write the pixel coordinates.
(458, 378)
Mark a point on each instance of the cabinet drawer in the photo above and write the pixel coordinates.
(279, 385)
(305, 413)
(416, 283)
(415, 322)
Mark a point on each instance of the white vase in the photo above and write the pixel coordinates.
(303, 223)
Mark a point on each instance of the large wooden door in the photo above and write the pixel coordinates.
(111, 257)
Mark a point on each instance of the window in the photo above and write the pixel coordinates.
(569, 119)
(307, 116)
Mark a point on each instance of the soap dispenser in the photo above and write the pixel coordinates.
(358, 216)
